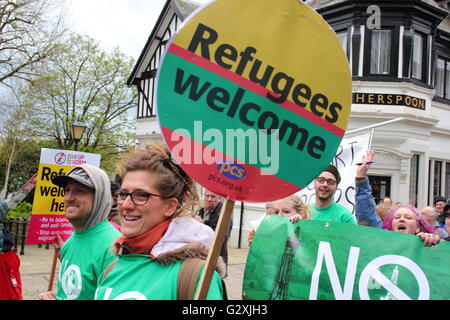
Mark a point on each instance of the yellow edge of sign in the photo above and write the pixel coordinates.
(288, 36)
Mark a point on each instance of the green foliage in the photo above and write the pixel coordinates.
(87, 84)
(25, 164)
(21, 211)
(82, 82)
(3, 210)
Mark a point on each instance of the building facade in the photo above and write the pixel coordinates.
(399, 54)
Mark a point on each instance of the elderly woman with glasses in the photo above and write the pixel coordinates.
(155, 205)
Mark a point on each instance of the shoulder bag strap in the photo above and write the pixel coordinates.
(109, 269)
(188, 277)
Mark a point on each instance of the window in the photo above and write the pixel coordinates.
(147, 82)
(414, 179)
(447, 180)
(437, 178)
(343, 40)
(447, 80)
(440, 77)
(418, 56)
(381, 187)
(443, 78)
(380, 53)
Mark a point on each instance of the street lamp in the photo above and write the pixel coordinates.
(78, 128)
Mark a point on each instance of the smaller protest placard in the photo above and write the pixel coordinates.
(20, 194)
(316, 260)
(47, 216)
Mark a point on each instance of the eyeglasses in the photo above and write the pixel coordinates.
(329, 182)
(139, 198)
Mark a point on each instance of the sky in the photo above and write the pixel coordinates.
(123, 23)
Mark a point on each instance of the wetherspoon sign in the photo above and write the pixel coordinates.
(254, 97)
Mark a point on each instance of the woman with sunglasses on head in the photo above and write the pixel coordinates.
(156, 204)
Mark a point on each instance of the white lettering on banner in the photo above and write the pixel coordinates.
(372, 271)
(324, 251)
(369, 272)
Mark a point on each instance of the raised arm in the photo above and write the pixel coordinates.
(365, 205)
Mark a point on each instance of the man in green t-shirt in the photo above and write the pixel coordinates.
(325, 208)
(86, 254)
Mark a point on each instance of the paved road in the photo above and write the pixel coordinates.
(36, 265)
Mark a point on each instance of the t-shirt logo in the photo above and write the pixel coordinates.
(129, 295)
(71, 282)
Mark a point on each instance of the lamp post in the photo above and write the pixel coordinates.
(78, 128)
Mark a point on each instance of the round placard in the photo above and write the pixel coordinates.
(254, 97)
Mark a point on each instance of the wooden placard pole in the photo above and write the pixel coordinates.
(214, 251)
(52, 272)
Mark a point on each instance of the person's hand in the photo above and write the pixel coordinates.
(57, 245)
(295, 218)
(46, 296)
(199, 219)
(58, 242)
(429, 239)
(361, 170)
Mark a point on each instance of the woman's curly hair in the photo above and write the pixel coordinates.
(173, 181)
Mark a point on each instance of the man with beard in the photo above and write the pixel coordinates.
(325, 208)
(86, 253)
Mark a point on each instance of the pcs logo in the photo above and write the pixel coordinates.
(232, 170)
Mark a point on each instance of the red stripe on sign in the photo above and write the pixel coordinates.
(250, 85)
(202, 164)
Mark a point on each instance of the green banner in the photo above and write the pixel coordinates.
(314, 260)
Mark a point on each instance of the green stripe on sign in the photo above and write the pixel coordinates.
(229, 113)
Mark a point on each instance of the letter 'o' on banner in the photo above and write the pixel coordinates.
(254, 97)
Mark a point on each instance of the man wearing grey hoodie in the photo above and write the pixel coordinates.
(86, 254)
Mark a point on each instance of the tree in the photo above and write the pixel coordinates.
(15, 136)
(9, 143)
(24, 163)
(30, 31)
(85, 83)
